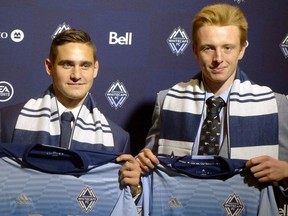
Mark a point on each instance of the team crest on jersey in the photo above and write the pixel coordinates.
(117, 94)
(178, 41)
(87, 199)
(233, 205)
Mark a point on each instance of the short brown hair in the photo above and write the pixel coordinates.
(71, 36)
(220, 15)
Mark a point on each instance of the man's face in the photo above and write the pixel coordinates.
(218, 51)
(73, 73)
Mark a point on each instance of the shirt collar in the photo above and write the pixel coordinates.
(224, 94)
(62, 108)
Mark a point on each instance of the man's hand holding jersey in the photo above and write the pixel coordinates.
(268, 169)
(147, 160)
(129, 173)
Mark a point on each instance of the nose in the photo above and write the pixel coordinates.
(218, 57)
(76, 74)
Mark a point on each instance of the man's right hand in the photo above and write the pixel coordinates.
(147, 160)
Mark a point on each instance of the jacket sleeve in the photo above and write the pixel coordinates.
(121, 138)
(282, 103)
(8, 119)
(0, 127)
(154, 132)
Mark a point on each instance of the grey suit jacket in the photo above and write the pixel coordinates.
(282, 103)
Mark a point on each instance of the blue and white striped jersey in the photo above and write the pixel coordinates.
(69, 183)
(205, 186)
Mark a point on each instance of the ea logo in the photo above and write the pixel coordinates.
(6, 91)
(17, 35)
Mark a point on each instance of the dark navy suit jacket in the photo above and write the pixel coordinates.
(9, 116)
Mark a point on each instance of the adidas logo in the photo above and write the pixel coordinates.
(175, 203)
(23, 199)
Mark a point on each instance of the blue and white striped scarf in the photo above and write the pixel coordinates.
(39, 123)
(252, 118)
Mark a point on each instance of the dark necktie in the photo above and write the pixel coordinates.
(211, 128)
(66, 129)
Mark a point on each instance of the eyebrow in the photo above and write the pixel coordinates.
(73, 62)
(212, 45)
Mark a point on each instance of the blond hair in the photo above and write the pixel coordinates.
(220, 15)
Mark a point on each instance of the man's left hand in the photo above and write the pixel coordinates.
(268, 169)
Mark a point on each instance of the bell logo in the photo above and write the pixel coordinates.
(121, 40)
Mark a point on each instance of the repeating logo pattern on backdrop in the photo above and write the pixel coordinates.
(120, 40)
(6, 91)
(178, 41)
(117, 94)
(60, 28)
(239, 1)
(284, 46)
(17, 35)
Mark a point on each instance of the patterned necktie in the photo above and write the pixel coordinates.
(211, 128)
(66, 129)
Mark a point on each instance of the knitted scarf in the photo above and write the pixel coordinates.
(39, 123)
(252, 125)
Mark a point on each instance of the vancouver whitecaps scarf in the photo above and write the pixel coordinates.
(39, 123)
(252, 118)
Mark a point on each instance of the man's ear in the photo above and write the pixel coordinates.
(96, 69)
(194, 49)
(242, 51)
(48, 67)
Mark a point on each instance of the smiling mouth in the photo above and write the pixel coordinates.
(75, 84)
(217, 69)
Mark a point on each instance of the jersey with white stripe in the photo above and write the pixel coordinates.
(69, 183)
(205, 186)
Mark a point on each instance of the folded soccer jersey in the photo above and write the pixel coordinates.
(46, 180)
(205, 186)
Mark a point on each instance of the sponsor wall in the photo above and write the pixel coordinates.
(143, 47)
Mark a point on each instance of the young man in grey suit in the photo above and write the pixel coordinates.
(253, 119)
